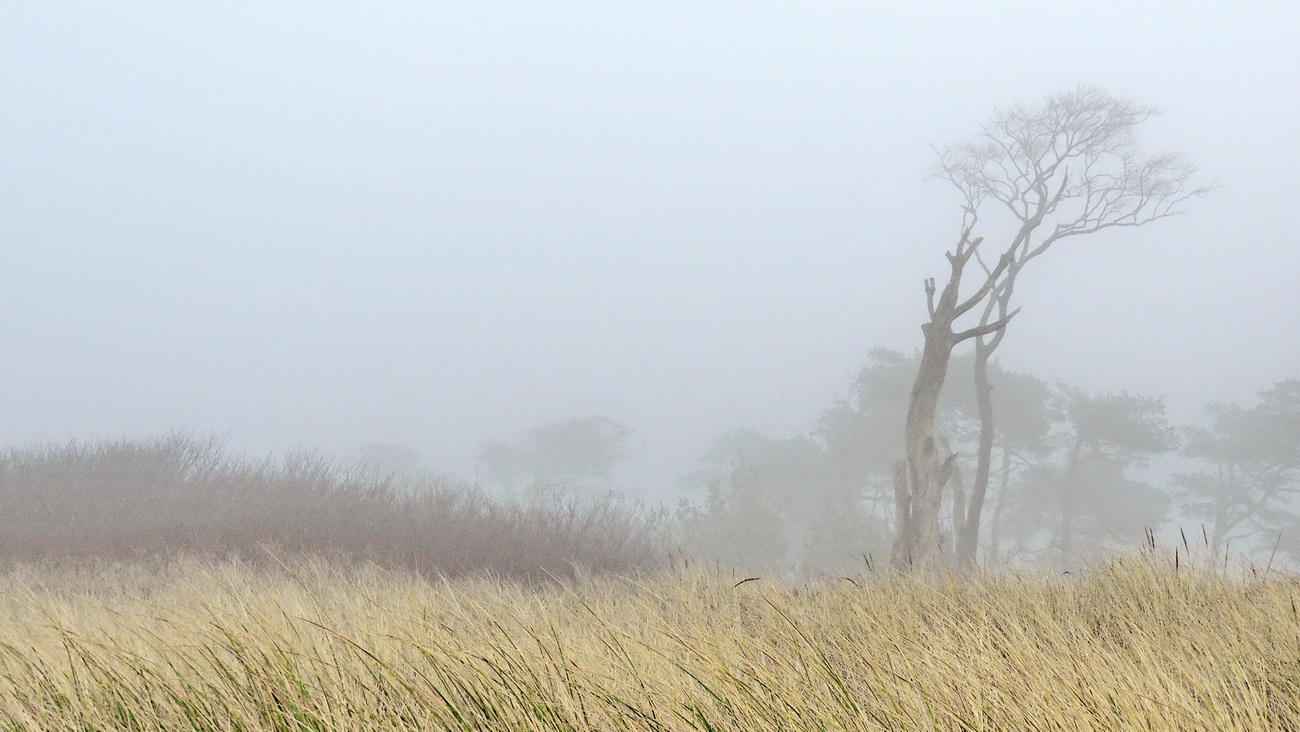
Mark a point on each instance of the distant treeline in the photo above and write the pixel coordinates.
(1067, 484)
(1068, 475)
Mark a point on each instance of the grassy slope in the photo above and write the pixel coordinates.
(222, 646)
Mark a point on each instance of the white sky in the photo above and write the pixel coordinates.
(316, 224)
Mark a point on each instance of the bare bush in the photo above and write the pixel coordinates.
(127, 500)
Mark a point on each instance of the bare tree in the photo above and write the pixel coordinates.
(1069, 168)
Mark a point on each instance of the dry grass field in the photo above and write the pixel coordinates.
(190, 644)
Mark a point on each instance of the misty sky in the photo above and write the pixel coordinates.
(323, 224)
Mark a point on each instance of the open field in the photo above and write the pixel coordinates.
(191, 644)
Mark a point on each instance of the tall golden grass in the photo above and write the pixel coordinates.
(1132, 643)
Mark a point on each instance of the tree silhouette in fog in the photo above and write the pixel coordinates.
(576, 453)
(1066, 169)
(1251, 473)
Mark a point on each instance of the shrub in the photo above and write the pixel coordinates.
(128, 500)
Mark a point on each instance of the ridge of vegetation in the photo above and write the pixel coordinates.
(110, 501)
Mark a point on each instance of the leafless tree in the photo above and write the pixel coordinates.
(1068, 168)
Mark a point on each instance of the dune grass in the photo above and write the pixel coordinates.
(1129, 644)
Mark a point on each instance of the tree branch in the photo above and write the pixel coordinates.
(981, 330)
(1003, 262)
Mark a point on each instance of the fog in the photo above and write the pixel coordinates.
(328, 225)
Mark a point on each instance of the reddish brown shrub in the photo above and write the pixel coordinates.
(125, 500)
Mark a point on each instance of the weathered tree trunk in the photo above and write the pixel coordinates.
(924, 466)
(969, 532)
(958, 494)
(918, 543)
(969, 536)
(903, 539)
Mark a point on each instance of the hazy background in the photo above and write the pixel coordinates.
(324, 225)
